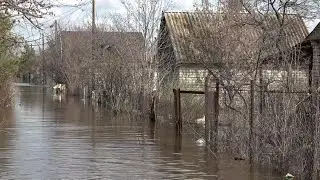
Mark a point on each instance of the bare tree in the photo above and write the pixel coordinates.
(30, 11)
(252, 40)
(143, 16)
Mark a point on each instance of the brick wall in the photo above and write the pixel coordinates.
(192, 78)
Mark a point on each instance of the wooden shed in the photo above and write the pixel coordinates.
(191, 43)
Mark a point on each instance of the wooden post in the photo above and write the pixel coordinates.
(177, 110)
(251, 117)
(211, 115)
(140, 101)
(261, 84)
(217, 99)
(152, 126)
(175, 102)
(152, 115)
(178, 138)
(214, 124)
(178, 143)
(207, 111)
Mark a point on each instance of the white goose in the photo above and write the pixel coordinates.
(289, 176)
(201, 142)
(201, 121)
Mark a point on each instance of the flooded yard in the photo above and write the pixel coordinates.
(47, 137)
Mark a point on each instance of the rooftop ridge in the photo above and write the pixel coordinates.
(211, 12)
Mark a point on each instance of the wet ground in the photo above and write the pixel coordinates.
(47, 137)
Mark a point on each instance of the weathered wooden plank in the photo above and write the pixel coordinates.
(251, 118)
(191, 92)
(177, 111)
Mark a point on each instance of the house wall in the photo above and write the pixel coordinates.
(166, 60)
(193, 78)
(315, 65)
(276, 79)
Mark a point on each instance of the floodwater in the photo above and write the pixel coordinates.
(47, 137)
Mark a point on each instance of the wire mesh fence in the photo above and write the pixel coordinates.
(269, 124)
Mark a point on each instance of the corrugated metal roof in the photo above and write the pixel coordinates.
(315, 34)
(242, 34)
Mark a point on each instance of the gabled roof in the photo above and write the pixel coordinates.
(126, 44)
(315, 34)
(105, 37)
(187, 28)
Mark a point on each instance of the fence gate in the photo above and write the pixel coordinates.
(211, 92)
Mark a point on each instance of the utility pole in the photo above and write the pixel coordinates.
(93, 17)
(205, 5)
(29, 74)
(43, 75)
(56, 30)
(93, 35)
(93, 46)
(57, 49)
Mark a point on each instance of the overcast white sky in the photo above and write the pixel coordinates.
(71, 16)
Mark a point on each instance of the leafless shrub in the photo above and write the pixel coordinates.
(246, 41)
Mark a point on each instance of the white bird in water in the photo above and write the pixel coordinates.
(289, 176)
(201, 142)
(201, 121)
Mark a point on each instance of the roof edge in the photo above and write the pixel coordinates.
(314, 33)
(212, 12)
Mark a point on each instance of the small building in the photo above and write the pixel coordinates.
(310, 48)
(191, 44)
(78, 64)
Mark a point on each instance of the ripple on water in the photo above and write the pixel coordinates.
(47, 140)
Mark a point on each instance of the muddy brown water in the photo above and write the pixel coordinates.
(47, 137)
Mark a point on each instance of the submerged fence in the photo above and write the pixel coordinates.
(277, 128)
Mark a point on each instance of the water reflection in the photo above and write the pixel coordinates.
(50, 138)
